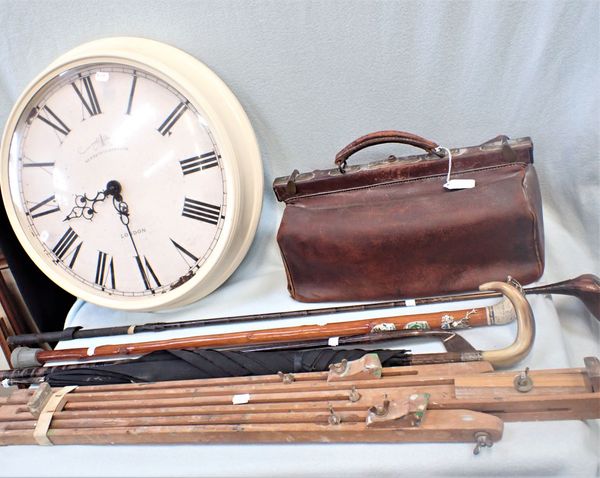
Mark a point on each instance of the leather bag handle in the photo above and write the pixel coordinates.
(381, 137)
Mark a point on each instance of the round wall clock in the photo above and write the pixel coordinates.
(131, 175)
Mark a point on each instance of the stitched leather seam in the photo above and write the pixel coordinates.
(534, 222)
(288, 274)
(402, 181)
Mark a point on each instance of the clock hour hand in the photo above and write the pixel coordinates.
(85, 206)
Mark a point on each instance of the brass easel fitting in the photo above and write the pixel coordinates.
(381, 410)
(523, 382)
(333, 419)
(286, 377)
(354, 395)
(339, 367)
(482, 440)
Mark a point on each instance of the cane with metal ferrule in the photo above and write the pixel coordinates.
(585, 287)
(284, 358)
(23, 357)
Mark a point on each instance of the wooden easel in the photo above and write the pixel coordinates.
(353, 402)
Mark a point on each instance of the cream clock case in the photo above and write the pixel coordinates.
(131, 175)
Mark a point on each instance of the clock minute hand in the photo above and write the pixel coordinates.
(113, 188)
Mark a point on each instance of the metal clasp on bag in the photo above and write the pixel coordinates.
(290, 187)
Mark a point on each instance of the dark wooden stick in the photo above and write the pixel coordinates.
(23, 357)
(455, 346)
(585, 287)
(299, 333)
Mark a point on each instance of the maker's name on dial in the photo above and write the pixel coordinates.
(141, 230)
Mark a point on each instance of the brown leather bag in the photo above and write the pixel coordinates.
(389, 229)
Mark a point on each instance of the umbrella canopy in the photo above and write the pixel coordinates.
(189, 364)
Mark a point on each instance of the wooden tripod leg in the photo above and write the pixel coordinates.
(438, 426)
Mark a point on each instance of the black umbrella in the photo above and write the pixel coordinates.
(189, 364)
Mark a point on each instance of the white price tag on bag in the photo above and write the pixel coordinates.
(460, 184)
(452, 184)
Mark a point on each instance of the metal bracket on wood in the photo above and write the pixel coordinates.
(392, 413)
(367, 367)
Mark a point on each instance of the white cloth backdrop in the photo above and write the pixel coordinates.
(313, 76)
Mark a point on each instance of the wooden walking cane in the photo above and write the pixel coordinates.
(23, 357)
(196, 363)
(585, 287)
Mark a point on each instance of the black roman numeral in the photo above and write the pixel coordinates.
(183, 250)
(146, 268)
(165, 128)
(91, 102)
(199, 163)
(64, 244)
(55, 122)
(201, 211)
(38, 165)
(75, 254)
(104, 269)
(131, 93)
(40, 205)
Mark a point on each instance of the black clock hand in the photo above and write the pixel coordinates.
(85, 206)
(114, 188)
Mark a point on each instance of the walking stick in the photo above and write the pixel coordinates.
(23, 357)
(237, 361)
(585, 287)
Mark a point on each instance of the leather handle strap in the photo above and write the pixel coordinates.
(381, 137)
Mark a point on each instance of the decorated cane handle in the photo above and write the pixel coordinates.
(525, 326)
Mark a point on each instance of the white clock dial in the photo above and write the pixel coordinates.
(106, 123)
(125, 187)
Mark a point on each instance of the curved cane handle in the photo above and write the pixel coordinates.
(381, 137)
(525, 326)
